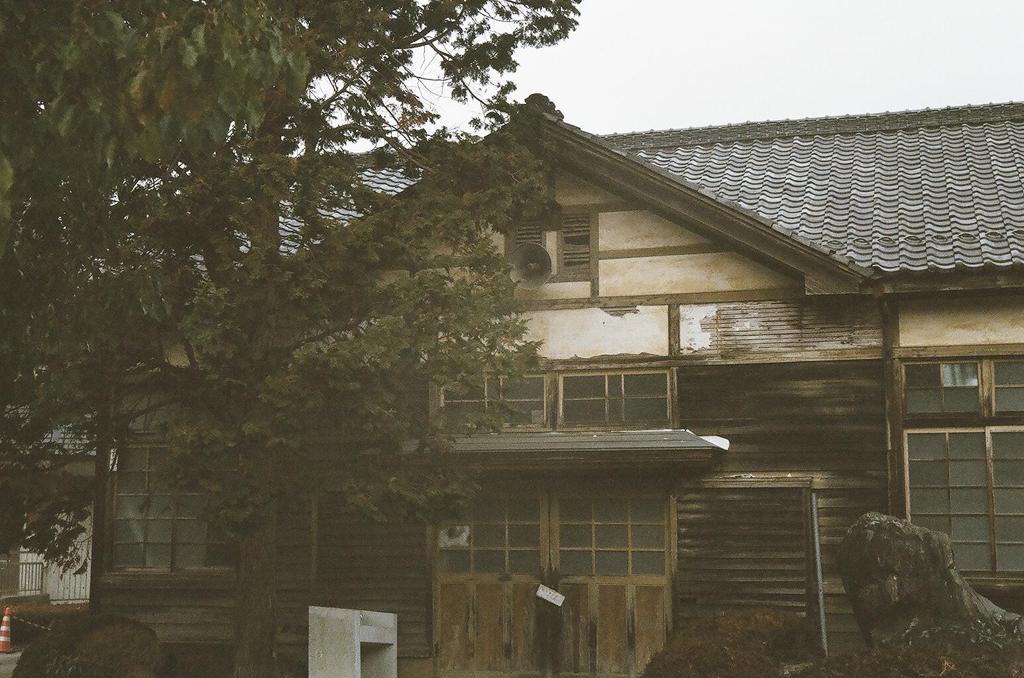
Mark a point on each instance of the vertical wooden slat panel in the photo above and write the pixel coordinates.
(490, 608)
(454, 622)
(575, 629)
(523, 628)
(649, 621)
(612, 629)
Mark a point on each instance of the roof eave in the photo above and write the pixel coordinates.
(594, 160)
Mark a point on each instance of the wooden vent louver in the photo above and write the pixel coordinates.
(575, 247)
(528, 233)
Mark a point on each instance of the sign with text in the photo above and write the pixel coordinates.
(550, 595)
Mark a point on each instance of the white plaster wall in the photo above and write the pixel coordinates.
(956, 322)
(696, 327)
(556, 290)
(686, 273)
(588, 332)
(632, 229)
(571, 191)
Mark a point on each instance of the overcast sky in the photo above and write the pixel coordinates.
(654, 64)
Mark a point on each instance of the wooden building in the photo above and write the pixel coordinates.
(839, 298)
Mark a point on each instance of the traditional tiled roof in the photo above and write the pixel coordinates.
(930, 190)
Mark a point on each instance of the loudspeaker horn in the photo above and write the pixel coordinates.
(531, 265)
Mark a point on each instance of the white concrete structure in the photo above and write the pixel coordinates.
(352, 643)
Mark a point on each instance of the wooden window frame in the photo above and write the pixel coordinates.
(562, 425)
(990, 488)
(175, 520)
(980, 390)
(545, 425)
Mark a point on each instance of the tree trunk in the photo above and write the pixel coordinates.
(256, 626)
(902, 583)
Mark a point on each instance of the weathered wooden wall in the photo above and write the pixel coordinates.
(819, 424)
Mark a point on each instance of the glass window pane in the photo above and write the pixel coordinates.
(646, 385)
(1009, 501)
(924, 401)
(926, 445)
(575, 535)
(648, 511)
(489, 510)
(961, 400)
(522, 535)
(131, 482)
(649, 563)
(526, 413)
(158, 531)
(128, 555)
(1007, 473)
(968, 473)
(1010, 557)
(129, 531)
(489, 561)
(583, 387)
(132, 460)
(612, 563)
(525, 509)
(648, 536)
(574, 562)
(191, 506)
(615, 386)
(457, 413)
(645, 409)
(972, 528)
(583, 411)
(574, 510)
(130, 507)
(970, 445)
(190, 555)
(1010, 399)
(968, 501)
(161, 506)
(488, 535)
(611, 536)
(455, 561)
(1008, 372)
(223, 555)
(936, 523)
(523, 562)
(923, 376)
(1008, 444)
(972, 556)
(959, 374)
(1009, 529)
(610, 510)
(527, 388)
(190, 532)
(929, 501)
(615, 415)
(158, 555)
(928, 474)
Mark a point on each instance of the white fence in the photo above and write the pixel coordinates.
(36, 577)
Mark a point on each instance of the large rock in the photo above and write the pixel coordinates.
(902, 584)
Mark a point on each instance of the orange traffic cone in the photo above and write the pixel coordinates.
(5, 631)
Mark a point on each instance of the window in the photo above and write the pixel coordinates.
(1009, 386)
(155, 527)
(970, 485)
(610, 399)
(502, 536)
(521, 401)
(933, 388)
(611, 536)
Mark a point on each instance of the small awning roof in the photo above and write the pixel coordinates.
(588, 449)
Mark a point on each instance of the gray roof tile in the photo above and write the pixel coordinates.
(926, 190)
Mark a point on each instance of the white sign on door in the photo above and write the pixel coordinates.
(550, 595)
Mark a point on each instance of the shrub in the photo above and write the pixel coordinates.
(94, 647)
(935, 658)
(32, 619)
(748, 643)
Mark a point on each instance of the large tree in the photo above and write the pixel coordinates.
(190, 236)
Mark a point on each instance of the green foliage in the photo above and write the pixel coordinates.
(103, 646)
(179, 200)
